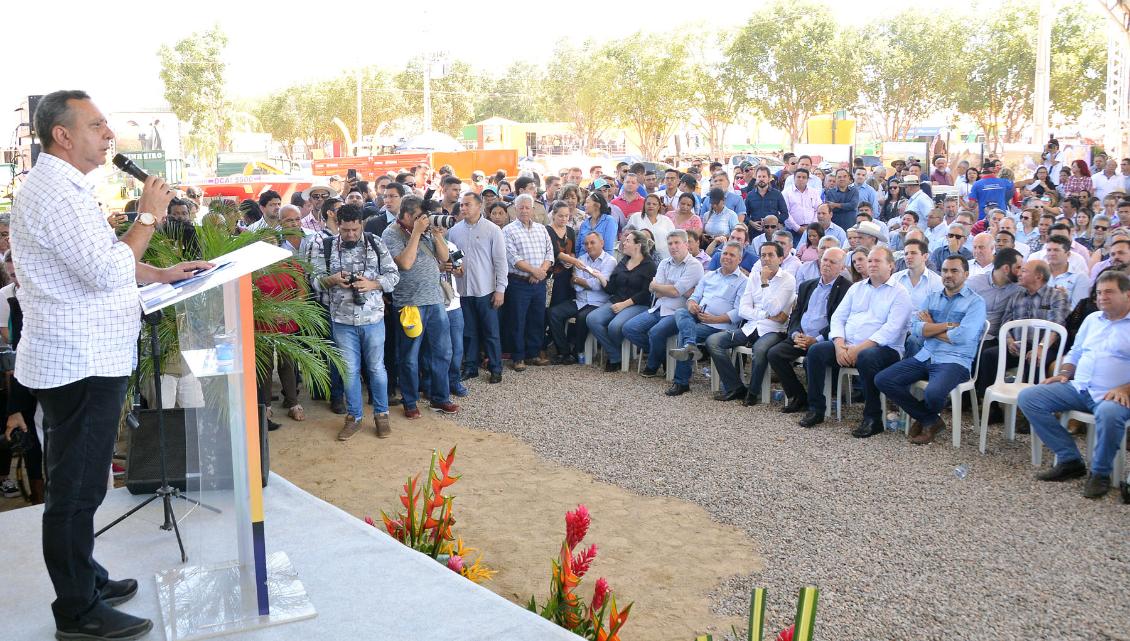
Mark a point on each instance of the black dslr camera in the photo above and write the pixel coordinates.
(351, 279)
(15, 442)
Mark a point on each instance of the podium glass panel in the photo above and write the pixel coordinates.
(229, 583)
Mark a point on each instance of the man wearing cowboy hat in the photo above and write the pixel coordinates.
(917, 201)
(870, 234)
(316, 195)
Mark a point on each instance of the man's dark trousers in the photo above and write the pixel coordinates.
(81, 425)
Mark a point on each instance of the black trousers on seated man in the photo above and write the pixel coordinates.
(781, 357)
(559, 316)
(80, 423)
(869, 362)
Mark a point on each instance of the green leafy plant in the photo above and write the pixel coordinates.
(308, 348)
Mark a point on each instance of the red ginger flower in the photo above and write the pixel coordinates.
(582, 560)
(786, 634)
(455, 563)
(576, 526)
(600, 593)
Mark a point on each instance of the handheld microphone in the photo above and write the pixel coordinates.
(128, 166)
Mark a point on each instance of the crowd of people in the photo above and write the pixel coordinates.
(431, 280)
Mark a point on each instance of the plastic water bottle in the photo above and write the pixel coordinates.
(225, 352)
(706, 372)
(777, 394)
(581, 359)
(961, 471)
(893, 422)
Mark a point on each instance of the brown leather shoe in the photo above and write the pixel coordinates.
(519, 366)
(929, 432)
(539, 362)
(351, 427)
(384, 428)
(915, 430)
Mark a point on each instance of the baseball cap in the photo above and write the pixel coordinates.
(599, 183)
(491, 188)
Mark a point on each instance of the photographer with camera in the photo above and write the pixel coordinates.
(417, 244)
(353, 270)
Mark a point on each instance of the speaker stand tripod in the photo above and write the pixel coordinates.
(166, 492)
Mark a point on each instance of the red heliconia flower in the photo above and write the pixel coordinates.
(786, 634)
(576, 526)
(582, 560)
(455, 563)
(599, 593)
(369, 520)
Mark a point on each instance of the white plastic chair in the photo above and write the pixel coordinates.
(740, 356)
(956, 394)
(1089, 452)
(591, 346)
(1029, 372)
(845, 380)
(669, 362)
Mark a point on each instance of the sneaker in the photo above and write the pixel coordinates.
(350, 429)
(460, 390)
(102, 622)
(118, 592)
(337, 405)
(411, 413)
(9, 489)
(384, 428)
(445, 408)
(119, 471)
(686, 353)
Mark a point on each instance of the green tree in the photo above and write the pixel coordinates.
(998, 95)
(718, 101)
(381, 101)
(793, 63)
(453, 95)
(517, 94)
(278, 115)
(193, 73)
(576, 90)
(653, 91)
(902, 80)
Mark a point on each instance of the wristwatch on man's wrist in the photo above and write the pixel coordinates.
(147, 219)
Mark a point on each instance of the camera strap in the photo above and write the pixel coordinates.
(327, 248)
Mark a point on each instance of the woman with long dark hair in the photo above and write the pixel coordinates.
(628, 295)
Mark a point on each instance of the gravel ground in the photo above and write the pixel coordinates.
(900, 547)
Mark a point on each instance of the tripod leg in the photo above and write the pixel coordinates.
(214, 510)
(127, 514)
(176, 528)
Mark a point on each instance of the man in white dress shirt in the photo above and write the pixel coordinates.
(82, 317)
(867, 332)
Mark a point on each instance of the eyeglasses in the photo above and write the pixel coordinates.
(769, 226)
(1025, 218)
(407, 184)
(1097, 228)
(958, 236)
(317, 196)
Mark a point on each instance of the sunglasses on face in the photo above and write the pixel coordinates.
(1097, 228)
(958, 236)
(317, 196)
(768, 226)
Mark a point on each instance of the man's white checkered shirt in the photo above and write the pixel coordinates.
(78, 284)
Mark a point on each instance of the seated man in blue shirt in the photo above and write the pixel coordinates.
(740, 235)
(712, 308)
(949, 327)
(1095, 378)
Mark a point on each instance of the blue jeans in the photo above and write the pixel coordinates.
(608, 327)
(437, 361)
(941, 379)
(455, 327)
(1039, 403)
(690, 332)
(527, 309)
(480, 320)
(363, 344)
(650, 332)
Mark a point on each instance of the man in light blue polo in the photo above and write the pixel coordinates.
(1095, 378)
(675, 280)
(949, 327)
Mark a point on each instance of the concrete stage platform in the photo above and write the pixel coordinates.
(363, 584)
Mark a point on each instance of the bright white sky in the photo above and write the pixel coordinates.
(109, 47)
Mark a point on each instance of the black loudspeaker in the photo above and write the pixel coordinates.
(32, 105)
(143, 461)
(35, 149)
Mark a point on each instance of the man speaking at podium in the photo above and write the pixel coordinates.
(82, 317)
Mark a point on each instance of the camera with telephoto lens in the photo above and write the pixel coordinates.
(442, 220)
(358, 297)
(456, 258)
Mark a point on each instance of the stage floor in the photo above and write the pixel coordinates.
(363, 584)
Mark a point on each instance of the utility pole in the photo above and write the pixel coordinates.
(1040, 107)
(358, 144)
(428, 91)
